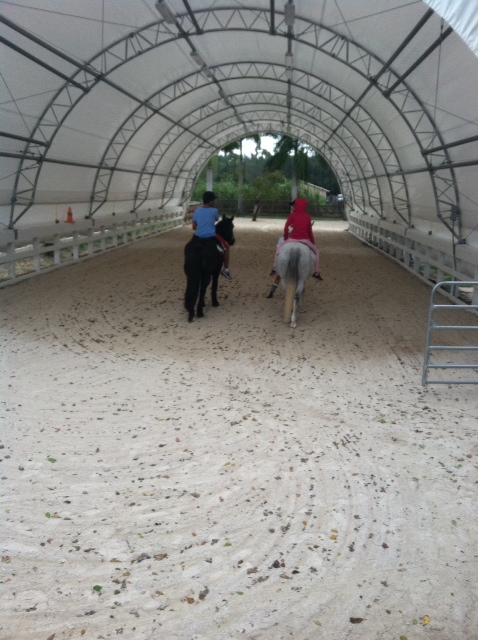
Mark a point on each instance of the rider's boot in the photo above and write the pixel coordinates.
(272, 291)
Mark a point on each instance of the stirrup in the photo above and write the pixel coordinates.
(273, 272)
(317, 276)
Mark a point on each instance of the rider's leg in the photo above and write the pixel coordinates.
(274, 286)
(316, 273)
(225, 272)
(280, 244)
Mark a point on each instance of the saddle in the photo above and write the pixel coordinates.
(290, 240)
(219, 246)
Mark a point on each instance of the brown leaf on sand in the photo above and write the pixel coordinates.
(356, 620)
(203, 594)
(141, 557)
(160, 556)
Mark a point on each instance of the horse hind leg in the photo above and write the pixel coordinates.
(200, 307)
(189, 300)
(202, 297)
(300, 300)
(216, 272)
(214, 286)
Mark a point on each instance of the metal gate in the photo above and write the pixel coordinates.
(432, 349)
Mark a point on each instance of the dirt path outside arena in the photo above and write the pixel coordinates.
(232, 478)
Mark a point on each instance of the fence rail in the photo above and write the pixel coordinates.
(430, 262)
(23, 259)
(280, 210)
(453, 351)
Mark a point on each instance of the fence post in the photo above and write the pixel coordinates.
(36, 254)
(11, 260)
(474, 297)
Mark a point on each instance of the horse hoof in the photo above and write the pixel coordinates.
(191, 319)
(200, 314)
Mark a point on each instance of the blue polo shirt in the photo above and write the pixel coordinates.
(206, 218)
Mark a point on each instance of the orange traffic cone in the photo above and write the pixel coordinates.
(69, 216)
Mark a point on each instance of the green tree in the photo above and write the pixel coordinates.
(301, 162)
(231, 148)
(286, 148)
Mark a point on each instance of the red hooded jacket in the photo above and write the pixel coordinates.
(301, 223)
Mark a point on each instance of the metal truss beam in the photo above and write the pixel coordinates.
(38, 143)
(449, 145)
(42, 64)
(272, 28)
(192, 16)
(424, 19)
(418, 61)
(68, 163)
(154, 105)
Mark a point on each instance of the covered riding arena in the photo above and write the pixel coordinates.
(233, 477)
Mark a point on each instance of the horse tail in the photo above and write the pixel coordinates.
(192, 269)
(291, 282)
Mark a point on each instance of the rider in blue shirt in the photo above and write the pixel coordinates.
(205, 218)
(204, 226)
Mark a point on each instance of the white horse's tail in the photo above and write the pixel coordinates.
(291, 283)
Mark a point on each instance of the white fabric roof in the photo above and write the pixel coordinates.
(102, 102)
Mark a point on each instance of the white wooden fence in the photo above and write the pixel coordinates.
(432, 259)
(38, 250)
(49, 247)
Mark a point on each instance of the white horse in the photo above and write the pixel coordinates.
(295, 264)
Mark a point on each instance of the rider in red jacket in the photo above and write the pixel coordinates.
(299, 228)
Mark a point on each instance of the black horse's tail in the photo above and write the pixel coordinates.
(192, 269)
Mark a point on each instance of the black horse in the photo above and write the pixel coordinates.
(203, 261)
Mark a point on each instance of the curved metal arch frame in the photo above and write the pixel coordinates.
(131, 125)
(327, 92)
(347, 51)
(347, 160)
(270, 115)
(335, 45)
(312, 110)
(66, 99)
(151, 168)
(201, 161)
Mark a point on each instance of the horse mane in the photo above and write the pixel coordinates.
(225, 229)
